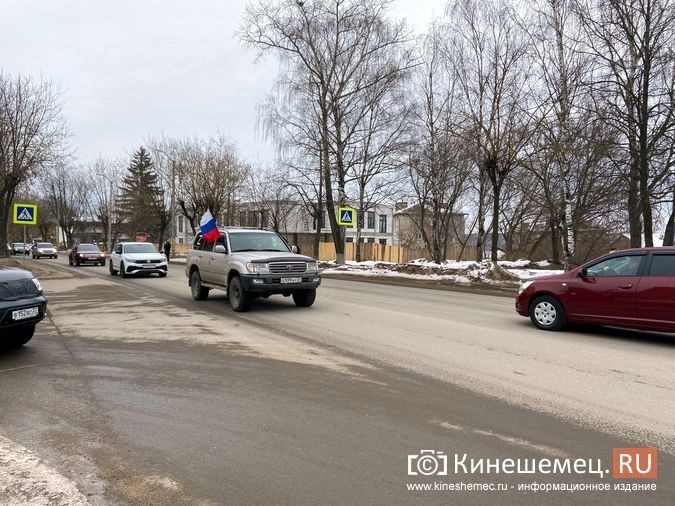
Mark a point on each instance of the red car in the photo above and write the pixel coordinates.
(632, 288)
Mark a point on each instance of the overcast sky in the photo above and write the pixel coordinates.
(131, 68)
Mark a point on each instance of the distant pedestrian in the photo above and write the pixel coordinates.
(167, 249)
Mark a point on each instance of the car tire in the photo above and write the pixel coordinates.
(199, 292)
(103, 263)
(56, 256)
(70, 262)
(304, 298)
(22, 336)
(240, 300)
(547, 313)
(123, 270)
(77, 263)
(162, 274)
(113, 272)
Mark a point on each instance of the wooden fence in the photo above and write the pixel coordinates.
(387, 253)
(370, 251)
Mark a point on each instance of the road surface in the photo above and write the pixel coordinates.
(133, 393)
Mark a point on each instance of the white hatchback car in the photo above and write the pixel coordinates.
(132, 258)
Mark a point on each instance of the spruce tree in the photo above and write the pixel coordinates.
(141, 199)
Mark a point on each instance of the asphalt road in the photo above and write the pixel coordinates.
(131, 392)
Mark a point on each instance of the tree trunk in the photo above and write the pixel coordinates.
(669, 236)
(495, 220)
(634, 223)
(481, 222)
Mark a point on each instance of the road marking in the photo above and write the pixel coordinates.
(26, 480)
(522, 443)
(23, 367)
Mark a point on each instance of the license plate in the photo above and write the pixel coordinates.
(148, 266)
(291, 280)
(22, 314)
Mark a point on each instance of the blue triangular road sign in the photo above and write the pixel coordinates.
(25, 215)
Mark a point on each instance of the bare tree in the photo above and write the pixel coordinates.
(437, 164)
(66, 190)
(210, 175)
(494, 75)
(32, 136)
(634, 85)
(273, 195)
(103, 175)
(341, 49)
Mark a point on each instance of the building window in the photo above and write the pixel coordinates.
(371, 220)
(180, 240)
(180, 224)
(323, 220)
(350, 239)
(370, 240)
(382, 241)
(264, 219)
(242, 218)
(383, 223)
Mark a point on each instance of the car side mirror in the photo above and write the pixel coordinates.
(219, 248)
(583, 273)
(295, 249)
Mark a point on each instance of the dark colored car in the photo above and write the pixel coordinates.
(86, 254)
(22, 306)
(632, 288)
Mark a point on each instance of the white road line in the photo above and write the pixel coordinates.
(26, 480)
(514, 441)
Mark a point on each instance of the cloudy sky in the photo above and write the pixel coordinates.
(132, 68)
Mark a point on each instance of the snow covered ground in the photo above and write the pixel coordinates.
(461, 272)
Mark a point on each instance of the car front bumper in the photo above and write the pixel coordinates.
(271, 283)
(135, 268)
(8, 306)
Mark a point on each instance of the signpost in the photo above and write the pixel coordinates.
(24, 214)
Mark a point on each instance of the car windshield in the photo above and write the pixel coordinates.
(45, 245)
(140, 248)
(18, 245)
(257, 241)
(87, 247)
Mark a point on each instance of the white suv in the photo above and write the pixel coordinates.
(132, 258)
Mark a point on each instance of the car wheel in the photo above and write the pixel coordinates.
(162, 274)
(113, 272)
(304, 298)
(103, 263)
(123, 270)
(77, 262)
(240, 300)
(70, 262)
(199, 292)
(22, 336)
(547, 313)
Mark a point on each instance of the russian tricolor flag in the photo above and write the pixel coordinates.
(208, 226)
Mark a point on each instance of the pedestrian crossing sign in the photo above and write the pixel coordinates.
(346, 216)
(25, 214)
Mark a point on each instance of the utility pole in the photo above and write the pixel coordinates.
(172, 234)
(110, 217)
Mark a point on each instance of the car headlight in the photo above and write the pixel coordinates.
(524, 285)
(102, 255)
(312, 267)
(258, 268)
(37, 284)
